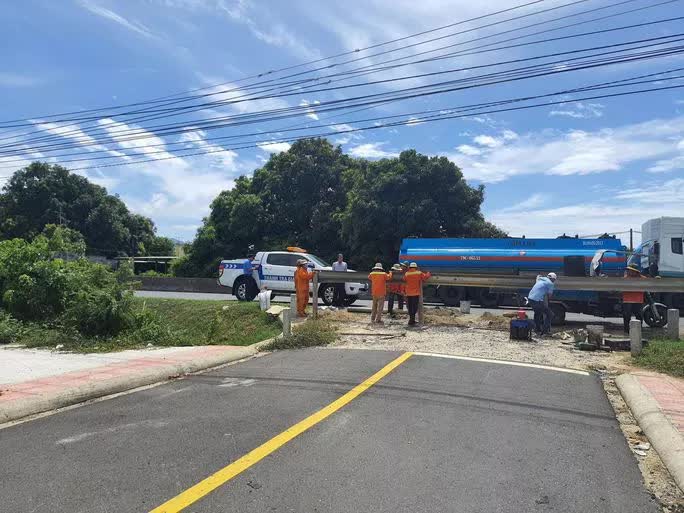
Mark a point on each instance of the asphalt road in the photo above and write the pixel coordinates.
(571, 317)
(433, 435)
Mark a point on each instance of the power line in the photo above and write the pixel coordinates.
(170, 129)
(443, 113)
(315, 61)
(146, 117)
(379, 126)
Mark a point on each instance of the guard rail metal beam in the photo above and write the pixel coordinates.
(597, 284)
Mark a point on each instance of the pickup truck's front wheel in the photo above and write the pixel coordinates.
(327, 293)
(245, 289)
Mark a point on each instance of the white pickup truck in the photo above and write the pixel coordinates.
(275, 270)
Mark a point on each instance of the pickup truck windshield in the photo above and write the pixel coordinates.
(318, 261)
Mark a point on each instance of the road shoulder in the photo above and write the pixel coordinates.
(21, 400)
(642, 392)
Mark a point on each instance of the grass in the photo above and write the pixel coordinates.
(665, 356)
(175, 322)
(314, 332)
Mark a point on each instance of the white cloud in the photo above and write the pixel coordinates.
(310, 112)
(487, 140)
(371, 151)
(509, 135)
(275, 147)
(580, 110)
(575, 152)
(466, 149)
(616, 212)
(9, 79)
(133, 26)
(534, 201)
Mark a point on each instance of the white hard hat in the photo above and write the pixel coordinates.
(552, 276)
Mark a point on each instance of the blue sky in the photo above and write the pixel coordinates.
(597, 165)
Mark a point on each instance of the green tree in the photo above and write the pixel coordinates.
(316, 197)
(42, 194)
(295, 199)
(409, 196)
(160, 246)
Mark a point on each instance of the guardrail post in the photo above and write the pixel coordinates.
(315, 295)
(672, 330)
(635, 337)
(287, 322)
(421, 311)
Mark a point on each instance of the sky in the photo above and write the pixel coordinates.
(573, 164)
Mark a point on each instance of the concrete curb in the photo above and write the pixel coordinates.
(20, 408)
(666, 440)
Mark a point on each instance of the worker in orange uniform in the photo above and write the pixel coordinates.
(378, 278)
(395, 289)
(632, 302)
(302, 278)
(414, 279)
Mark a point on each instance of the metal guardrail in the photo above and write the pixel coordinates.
(598, 284)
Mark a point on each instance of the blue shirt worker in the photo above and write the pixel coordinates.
(537, 298)
(247, 266)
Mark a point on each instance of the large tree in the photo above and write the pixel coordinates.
(316, 197)
(410, 196)
(43, 194)
(295, 199)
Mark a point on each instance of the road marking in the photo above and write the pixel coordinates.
(209, 484)
(504, 362)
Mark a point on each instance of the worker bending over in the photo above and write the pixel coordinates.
(378, 278)
(632, 302)
(539, 301)
(414, 279)
(396, 289)
(302, 278)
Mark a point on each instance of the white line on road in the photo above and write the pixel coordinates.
(504, 362)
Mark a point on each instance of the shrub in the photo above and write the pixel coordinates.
(11, 329)
(87, 297)
(314, 332)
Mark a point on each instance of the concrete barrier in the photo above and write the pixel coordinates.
(208, 285)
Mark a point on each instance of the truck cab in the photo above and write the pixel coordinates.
(662, 251)
(275, 271)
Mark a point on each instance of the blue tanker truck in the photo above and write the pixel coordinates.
(660, 254)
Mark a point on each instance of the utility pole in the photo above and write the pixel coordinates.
(631, 239)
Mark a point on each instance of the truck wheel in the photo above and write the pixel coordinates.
(651, 319)
(488, 299)
(452, 296)
(327, 293)
(245, 289)
(558, 312)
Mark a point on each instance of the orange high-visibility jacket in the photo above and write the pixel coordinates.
(379, 281)
(397, 287)
(414, 280)
(301, 278)
(633, 297)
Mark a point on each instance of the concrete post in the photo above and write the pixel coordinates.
(293, 302)
(672, 330)
(635, 337)
(315, 295)
(287, 322)
(421, 310)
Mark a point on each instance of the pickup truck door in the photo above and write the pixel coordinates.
(278, 271)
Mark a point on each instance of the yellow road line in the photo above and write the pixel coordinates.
(206, 486)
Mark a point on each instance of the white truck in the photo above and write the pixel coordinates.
(275, 270)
